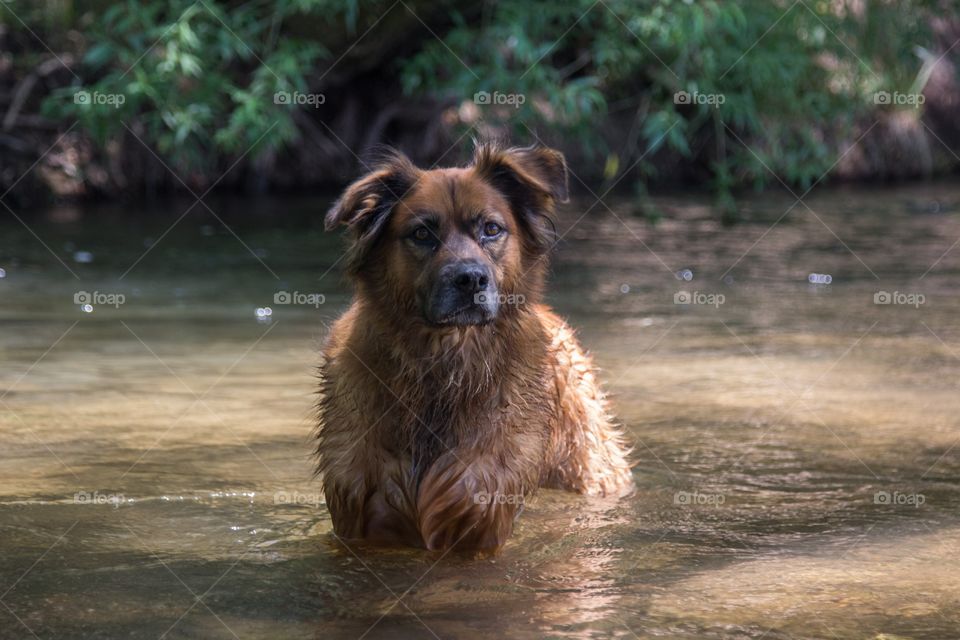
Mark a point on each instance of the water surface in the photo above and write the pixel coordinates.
(796, 443)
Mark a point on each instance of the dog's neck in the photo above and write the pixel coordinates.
(458, 378)
(471, 359)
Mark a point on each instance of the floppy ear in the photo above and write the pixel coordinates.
(366, 204)
(533, 179)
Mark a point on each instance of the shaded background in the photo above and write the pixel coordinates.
(293, 94)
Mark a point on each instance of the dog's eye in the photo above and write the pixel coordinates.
(422, 235)
(492, 229)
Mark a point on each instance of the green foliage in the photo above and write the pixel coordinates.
(197, 79)
(772, 85)
(789, 74)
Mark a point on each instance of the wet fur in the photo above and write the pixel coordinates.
(417, 421)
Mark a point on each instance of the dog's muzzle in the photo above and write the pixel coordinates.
(464, 293)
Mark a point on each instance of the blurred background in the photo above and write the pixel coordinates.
(292, 94)
(762, 254)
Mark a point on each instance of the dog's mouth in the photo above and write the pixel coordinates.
(467, 315)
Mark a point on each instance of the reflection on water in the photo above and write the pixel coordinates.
(796, 441)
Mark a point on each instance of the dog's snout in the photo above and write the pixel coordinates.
(465, 292)
(471, 278)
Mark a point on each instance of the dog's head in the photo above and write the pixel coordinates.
(458, 246)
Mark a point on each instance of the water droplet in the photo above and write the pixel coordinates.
(3, 273)
(87, 308)
(685, 274)
(624, 288)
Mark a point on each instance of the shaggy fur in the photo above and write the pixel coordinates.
(432, 436)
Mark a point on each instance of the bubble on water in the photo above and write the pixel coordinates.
(264, 312)
(685, 274)
(624, 288)
(3, 272)
(83, 257)
(86, 308)
(727, 279)
(819, 278)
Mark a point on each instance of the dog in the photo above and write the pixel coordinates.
(448, 391)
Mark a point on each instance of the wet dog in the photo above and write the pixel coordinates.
(448, 391)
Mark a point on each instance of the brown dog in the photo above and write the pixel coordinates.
(448, 391)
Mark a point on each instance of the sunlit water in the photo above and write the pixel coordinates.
(796, 444)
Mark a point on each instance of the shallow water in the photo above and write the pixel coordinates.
(797, 445)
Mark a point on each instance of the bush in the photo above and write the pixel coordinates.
(746, 90)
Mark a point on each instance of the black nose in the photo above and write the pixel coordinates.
(471, 278)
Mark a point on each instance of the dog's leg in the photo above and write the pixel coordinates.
(586, 453)
(373, 507)
(469, 506)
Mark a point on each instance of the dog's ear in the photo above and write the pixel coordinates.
(366, 204)
(533, 179)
